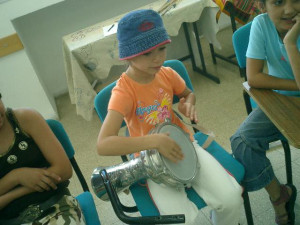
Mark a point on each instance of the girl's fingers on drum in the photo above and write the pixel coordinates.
(174, 157)
(179, 156)
(177, 153)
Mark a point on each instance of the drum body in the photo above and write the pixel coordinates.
(121, 177)
(161, 169)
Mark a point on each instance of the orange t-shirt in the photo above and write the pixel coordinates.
(145, 105)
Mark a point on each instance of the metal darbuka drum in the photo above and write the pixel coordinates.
(151, 164)
(161, 169)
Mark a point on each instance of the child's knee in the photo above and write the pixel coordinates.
(237, 143)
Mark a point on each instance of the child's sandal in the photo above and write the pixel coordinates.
(289, 201)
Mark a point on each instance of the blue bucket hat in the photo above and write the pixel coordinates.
(140, 31)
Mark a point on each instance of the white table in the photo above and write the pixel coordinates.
(89, 55)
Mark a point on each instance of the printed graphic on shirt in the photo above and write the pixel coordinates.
(12, 159)
(23, 145)
(156, 113)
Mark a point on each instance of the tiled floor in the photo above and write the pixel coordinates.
(220, 108)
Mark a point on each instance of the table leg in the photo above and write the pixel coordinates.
(215, 55)
(203, 71)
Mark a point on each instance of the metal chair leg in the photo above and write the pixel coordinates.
(203, 71)
(247, 102)
(288, 161)
(119, 208)
(247, 207)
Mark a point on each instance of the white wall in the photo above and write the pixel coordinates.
(19, 84)
(41, 33)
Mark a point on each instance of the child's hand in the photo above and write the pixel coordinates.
(38, 179)
(168, 147)
(188, 109)
(292, 35)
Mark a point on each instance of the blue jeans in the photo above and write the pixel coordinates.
(249, 145)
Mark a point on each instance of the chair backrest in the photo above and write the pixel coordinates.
(63, 138)
(60, 133)
(240, 40)
(85, 199)
(102, 98)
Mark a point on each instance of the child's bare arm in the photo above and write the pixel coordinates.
(37, 179)
(258, 79)
(35, 125)
(8, 182)
(109, 143)
(13, 194)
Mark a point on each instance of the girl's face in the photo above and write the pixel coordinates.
(148, 63)
(282, 12)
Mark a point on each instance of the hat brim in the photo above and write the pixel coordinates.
(148, 50)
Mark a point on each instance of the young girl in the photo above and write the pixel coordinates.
(275, 38)
(143, 98)
(34, 172)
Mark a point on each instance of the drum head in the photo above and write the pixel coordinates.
(186, 168)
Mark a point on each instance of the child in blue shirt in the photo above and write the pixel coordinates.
(274, 38)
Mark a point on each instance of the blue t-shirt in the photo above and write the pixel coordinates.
(265, 44)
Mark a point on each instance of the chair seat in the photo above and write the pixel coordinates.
(144, 202)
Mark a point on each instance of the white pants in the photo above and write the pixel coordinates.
(213, 183)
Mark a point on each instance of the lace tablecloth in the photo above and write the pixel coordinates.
(89, 54)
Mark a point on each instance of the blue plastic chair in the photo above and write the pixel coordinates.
(240, 40)
(140, 194)
(85, 199)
